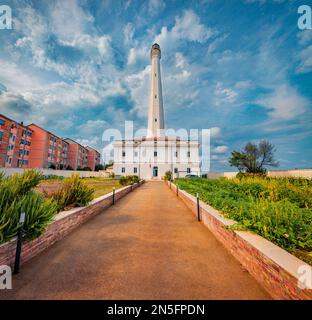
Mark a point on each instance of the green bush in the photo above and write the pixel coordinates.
(168, 175)
(279, 209)
(127, 180)
(52, 177)
(74, 193)
(16, 196)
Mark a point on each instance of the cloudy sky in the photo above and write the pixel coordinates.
(241, 67)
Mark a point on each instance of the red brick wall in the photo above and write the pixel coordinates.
(64, 223)
(279, 282)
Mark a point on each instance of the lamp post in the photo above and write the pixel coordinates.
(19, 243)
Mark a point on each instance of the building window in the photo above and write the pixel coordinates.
(188, 170)
(175, 170)
(123, 154)
(155, 120)
(135, 153)
(2, 122)
(135, 170)
(155, 75)
(22, 141)
(155, 153)
(155, 96)
(176, 154)
(123, 170)
(188, 153)
(1, 134)
(13, 138)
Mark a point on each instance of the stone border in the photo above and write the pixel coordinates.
(62, 224)
(274, 268)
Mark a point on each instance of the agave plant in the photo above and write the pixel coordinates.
(16, 196)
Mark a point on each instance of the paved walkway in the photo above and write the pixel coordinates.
(148, 246)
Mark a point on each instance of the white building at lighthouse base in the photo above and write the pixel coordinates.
(151, 158)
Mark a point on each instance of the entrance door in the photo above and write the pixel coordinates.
(155, 172)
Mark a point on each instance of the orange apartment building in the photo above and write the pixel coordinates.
(77, 155)
(94, 158)
(15, 143)
(34, 147)
(48, 150)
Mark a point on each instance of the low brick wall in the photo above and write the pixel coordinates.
(63, 224)
(297, 173)
(60, 173)
(274, 268)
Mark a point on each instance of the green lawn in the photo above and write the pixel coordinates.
(101, 186)
(280, 210)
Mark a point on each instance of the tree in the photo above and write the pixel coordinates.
(98, 167)
(52, 166)
(254, 158)
(168, 175)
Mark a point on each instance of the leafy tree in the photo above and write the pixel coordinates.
(168, 175)
(52, 166)
(99, 167)
(86, 169)
(254, 158)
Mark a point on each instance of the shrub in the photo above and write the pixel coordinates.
(168, 175)
(16, 196)
(279, 209)
(74, 193)
(98, 167)
(51, 177)
(127, 180)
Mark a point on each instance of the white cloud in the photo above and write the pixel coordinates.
(91, 142)
(242, 85)
(215, 132)
(187, 28)
(306, 60)
(220, 149)
(93, 127)
(285, 103)
(138, 83)
(224, 95)
(128, 32)
(155, 6)
(138, 55)
(69, 20)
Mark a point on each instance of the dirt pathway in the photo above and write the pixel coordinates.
(148, 246)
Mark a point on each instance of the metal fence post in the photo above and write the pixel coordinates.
(198, 207)
(177, 190)
(19, 243)
(170, 183)
(113, 195)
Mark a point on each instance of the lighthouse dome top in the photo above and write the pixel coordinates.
(155, 50)
(155, 46)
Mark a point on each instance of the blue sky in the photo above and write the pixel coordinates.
(241, 67)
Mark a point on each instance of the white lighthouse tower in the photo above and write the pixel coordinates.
(156, 121)
(151, 156)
